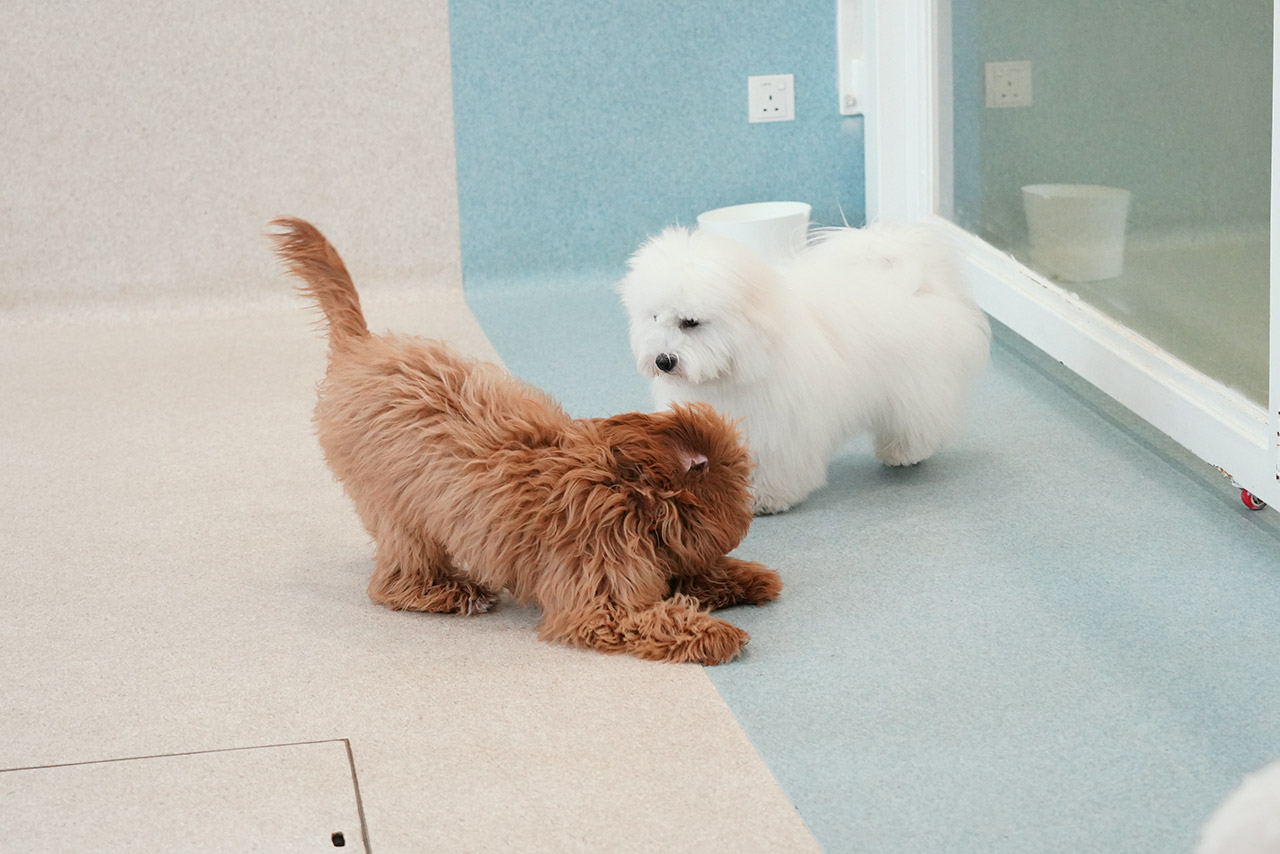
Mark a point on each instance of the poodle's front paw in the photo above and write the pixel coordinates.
(717, 643)
(730, 582)
(756, 582)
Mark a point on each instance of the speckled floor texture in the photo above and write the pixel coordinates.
(1057, 635)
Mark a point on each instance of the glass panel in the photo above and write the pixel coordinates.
(1124, 150)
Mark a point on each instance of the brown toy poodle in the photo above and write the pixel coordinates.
(471, 482)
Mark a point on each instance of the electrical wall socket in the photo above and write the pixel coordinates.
(771, 98)
(1008, 84)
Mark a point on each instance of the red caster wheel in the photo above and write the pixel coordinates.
(1250, 501)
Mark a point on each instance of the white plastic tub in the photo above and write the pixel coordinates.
(775, 230)
(1077, 231)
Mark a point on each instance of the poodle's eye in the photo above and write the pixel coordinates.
(689, 324)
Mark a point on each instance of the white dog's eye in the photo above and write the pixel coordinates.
(688, 324)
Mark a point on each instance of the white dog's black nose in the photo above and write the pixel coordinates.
(666, 362)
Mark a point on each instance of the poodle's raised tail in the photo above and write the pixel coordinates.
(323, 277)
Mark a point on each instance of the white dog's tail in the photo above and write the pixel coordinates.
(324, 278)
(921, 256)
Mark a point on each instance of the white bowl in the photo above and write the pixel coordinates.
(774, 230)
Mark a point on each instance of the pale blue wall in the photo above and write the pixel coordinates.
(582, 127)
(1169, 99)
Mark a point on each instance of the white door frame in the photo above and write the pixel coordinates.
(908, 117)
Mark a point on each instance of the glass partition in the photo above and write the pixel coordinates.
(1123, 150)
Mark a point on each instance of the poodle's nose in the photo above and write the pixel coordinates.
(666, 362)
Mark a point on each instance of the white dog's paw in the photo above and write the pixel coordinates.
(900, 460)
(897, 451)
(768, 508)
(776, 488)
(767, 503)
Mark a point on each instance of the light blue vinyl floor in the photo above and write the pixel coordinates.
(1060, 634)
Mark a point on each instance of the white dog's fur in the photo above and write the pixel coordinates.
(1248, 820)
(866, 330)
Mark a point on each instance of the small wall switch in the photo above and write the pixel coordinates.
(1008, 84)
(771, 98)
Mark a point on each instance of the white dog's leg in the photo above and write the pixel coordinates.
(899, 450)
(780, 482)
(904, 440)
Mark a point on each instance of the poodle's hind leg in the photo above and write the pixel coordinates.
(675, 630)
(414, 573)
(730, 582)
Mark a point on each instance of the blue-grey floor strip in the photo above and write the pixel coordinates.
(1059, 634)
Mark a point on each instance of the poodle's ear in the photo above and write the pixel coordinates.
(685, 477)
(702, 437)
(691, 461)
(620, 562)
(644, 454)
(677, 454)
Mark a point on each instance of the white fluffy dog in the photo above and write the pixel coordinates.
(866, 330)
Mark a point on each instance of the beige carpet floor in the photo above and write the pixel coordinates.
(179, 573)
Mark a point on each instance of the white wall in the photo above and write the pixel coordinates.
(143, 146)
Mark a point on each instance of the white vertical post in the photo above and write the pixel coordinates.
(851, 56)
(944, 97)
(1273, 411)
(902, 84)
